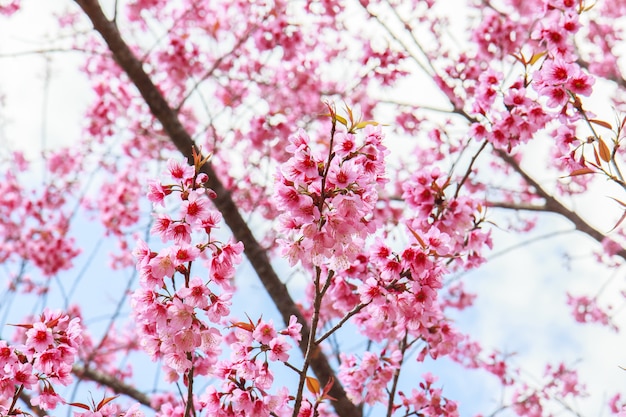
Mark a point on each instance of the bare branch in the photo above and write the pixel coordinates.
(555, 206)
(516, 206)
(34, 409)
(114, 383)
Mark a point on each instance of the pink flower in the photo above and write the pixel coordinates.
(180, 170)
(210, 221)
(195, 207)
(143, 254)
(157, 192)
(180, 315)
(278, 349)
(183, 254)
(39, 337)
(611, 247)
(220, 307)
(580, 83)
(162, 265)
(180, 232)
(196, 294)
(264, 332)
(47, 399)
(161, 226)
(346, 144)
(294, 329)
(555, 72)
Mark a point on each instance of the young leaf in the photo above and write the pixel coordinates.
(536, 57)
(105, 401)
(605, 152)
(313, 385)
(417, 237)
(621, 203)
(244, 326)
(341, 120)
(327, 388)
(350, 115)
(580, 171)
(596, 157)
(601, 123)
(621, 219)
(364, 123)
(80, 405)
(520, 58)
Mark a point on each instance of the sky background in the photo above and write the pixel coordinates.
(521, 305)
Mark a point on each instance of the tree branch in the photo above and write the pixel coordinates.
(516, 206)
(555, 206)
(115, 384)
(34, 409)
(223, 202)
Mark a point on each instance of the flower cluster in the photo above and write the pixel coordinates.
(560, 382)
(246, 375)
(174, 308)
(35, 223)
(44, 359)
(585, 309)
(366, 380)
(559, 80)
(327, 202)
(444, 225)
(118, 202)
(427, 400)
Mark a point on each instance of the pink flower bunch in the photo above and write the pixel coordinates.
(497, 35)
(427, 400)
(10, 7)
(247, 377)
(469, 354)
(585, 309)
(44, 359)
(617, 406)
(387, 64)
(444, 225)
(174, 309)
(118, 202)
(565, 381)
(327, 202)
(366, 380)
(559, 80)
(35, 222)
(561, 382)
(540, 35)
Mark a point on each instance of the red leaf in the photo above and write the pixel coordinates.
(621, 203)
(327, 388)
(418, 238)
(581, 171)
(80, 405)
(313, 385)
(601, 123)
(243, 325)
(105, 401)
(621, 219)
(605, 152)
